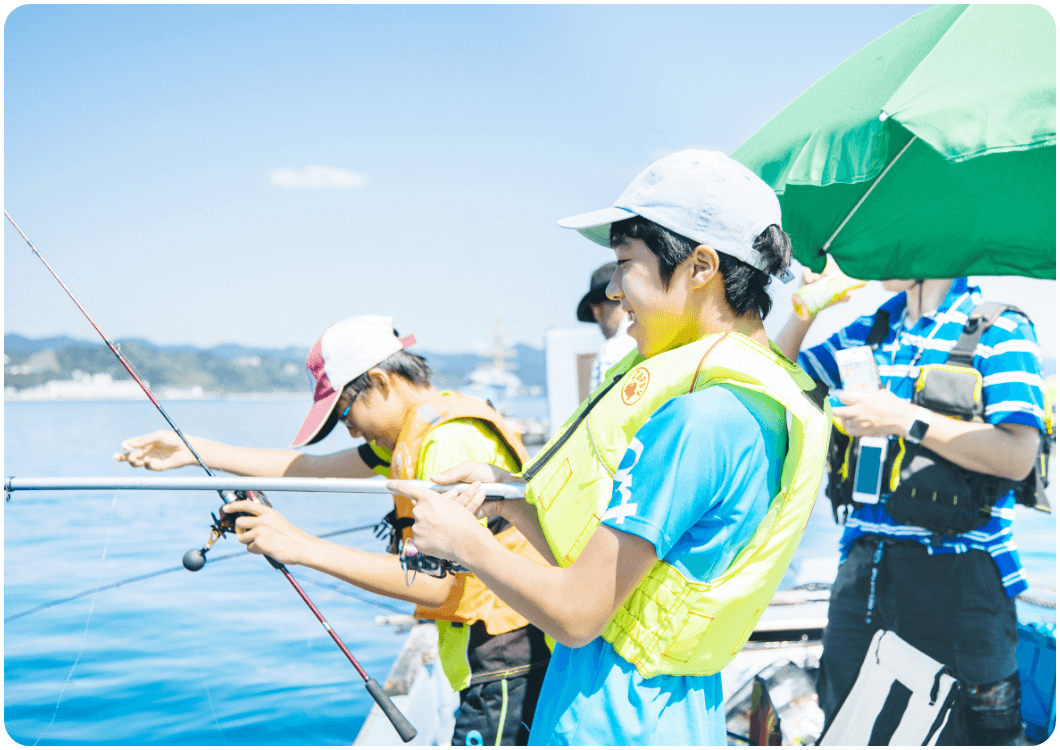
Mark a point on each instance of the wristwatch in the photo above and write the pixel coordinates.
(919, 428)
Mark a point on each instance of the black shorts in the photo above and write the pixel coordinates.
(507, 671)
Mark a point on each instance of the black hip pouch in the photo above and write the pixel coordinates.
(939, 495)
(931, 492)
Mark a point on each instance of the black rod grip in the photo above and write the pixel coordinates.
(404, 729)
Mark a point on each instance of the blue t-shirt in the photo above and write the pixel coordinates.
(1009, 360)
(695, 481)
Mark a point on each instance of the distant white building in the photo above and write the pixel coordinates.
(45, 361)
(83, 387)
(98, 387)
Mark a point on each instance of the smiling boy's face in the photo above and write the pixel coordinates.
(661, 317)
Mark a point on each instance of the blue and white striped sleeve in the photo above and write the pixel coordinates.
(819, 361)
(1010, 361)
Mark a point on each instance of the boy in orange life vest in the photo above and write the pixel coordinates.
(365, 379)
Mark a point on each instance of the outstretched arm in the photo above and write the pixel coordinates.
(266, 532)
(573, 604)
(163, 449)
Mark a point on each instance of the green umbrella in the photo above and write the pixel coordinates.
(931, 153)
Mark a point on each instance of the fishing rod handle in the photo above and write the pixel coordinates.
(404, 729)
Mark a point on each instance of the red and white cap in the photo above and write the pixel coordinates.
(347, 350)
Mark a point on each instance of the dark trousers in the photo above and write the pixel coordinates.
(506, 705)
(951, 607)
(507, 672)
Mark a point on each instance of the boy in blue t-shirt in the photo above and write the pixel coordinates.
(597, 696)
(696, 238)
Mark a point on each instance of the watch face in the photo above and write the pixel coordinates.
(917, 431)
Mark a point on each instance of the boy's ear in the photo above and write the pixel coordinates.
(380, 381)
(705, 265)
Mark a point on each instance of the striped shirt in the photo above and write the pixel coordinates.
(1010, 362)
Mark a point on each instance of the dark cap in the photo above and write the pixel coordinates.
(597, 285)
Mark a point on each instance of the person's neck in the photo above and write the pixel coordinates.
(412, 397)
(415, 396)
(718, 317)
(925, 297)
(750, 326)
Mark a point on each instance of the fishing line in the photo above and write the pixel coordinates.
(145, 576)
(110, 344)
(209, 701)
(84, 636)
(352, 595)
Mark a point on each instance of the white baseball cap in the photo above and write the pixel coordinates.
(702, 195)
(347, 350)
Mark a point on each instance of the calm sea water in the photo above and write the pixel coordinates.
(228, 655)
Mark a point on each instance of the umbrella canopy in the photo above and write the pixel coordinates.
(932, 150)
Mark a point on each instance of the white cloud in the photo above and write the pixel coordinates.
(317, 178)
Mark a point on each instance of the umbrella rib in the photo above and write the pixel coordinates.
(828, 244)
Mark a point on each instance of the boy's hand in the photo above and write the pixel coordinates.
(266, 532)
(471, 471)
(159, 451)
(445, 523)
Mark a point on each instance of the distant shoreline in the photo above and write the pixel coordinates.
(257, 396)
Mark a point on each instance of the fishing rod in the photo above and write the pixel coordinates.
(410, 559)
(195, 559)
(245, 484)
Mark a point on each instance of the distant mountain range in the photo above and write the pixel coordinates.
(13, 342)
(228, 368)
(225, 368)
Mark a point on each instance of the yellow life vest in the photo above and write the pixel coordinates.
(670, 624)
(469, 600)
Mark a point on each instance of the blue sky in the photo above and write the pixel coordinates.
(207, 174)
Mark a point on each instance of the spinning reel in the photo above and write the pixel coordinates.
(223, 523)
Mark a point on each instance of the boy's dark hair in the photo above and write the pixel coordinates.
(406, 365)
(745, 285)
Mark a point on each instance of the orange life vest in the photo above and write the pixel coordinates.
(470, 600)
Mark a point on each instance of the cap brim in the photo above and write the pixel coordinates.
(318, 423)
(596, 225)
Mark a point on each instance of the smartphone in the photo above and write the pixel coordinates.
(872, 452)
(857, 369)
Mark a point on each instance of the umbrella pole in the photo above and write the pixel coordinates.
(828, 244)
